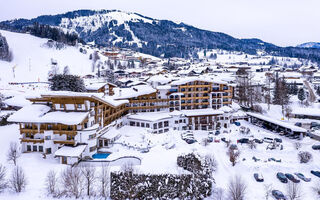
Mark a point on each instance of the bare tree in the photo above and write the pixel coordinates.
(3, 181)
(252, 144)
(88, 173)
(72, 182)
(52, 183)
(233, 155)
(17, 180)
(104, 180)
(237, 188)
(297, 145)
(13, 153)
(127, 167)
(267, 190)
(304, 156)
(294, 191)
(211, 162)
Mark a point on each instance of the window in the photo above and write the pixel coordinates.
(161, 131)
(79, 106)
(155, 125)
(40, 148)
(166, 130)
(47, 137)
(142, 124)
(166, 123)
(176, 122)
(34, 148)
(69, 137)
(48, 150)
(91, 149)
(61, 105)
(160, 124)
(132, 123)
(28, 147)
(138, 124)
(92, 136)
(147, 125)
(49, 126)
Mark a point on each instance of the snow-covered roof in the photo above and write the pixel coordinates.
(99, 96)
(37, 113)
(111, 134)
(191, 79)
(17, 101)
(71, 151)
(164, 87)
(29, 113)
(278, 122)
(125, 93)
(95, 86)
(198, 112)
(306, 111)
(225, 109)
(150, 116)
(160, 79)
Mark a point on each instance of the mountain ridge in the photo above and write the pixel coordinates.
(162, 38)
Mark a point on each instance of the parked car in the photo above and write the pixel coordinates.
(282, 177)
(279, 140)
(314, 124)
(316, 173)
(237, 123)
(298, 124)
(292, 178)
(316, 147)
(243, 141)
(145, 150)
(282, 133)
(258, 177)
(233, 146)
(187, 135)
(190, 141)
(268, 140)
(302, 177)
(258, 141)
(217, 132)
(278, 195)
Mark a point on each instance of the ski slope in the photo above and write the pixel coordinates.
(31, 61)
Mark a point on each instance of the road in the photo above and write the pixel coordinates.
(312, 96)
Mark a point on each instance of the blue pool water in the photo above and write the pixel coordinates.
(100, 155)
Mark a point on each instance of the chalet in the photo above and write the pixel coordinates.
(66, 119)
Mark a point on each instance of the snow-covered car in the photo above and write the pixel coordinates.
(282, 177)
(278, 195)
(258, 177)
(190, 141)
(316, 173)
(243, 141)
(258, 141)
(268, 140)
(292, 178)
(316, 147)
(187, 135)
(302, 177)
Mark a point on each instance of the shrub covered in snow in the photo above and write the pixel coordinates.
(127, 185)
(3, 181)
(304, 156)
(5, 53)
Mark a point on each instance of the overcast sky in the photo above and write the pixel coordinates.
(282, 22)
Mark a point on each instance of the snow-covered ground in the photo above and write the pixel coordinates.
(31, 61)
(162, 160)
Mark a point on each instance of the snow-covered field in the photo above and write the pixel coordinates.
(161, 160)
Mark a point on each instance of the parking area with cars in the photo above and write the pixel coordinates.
(273, 161)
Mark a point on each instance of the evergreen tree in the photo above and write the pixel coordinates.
(295, 88)
(65, 82)
(301, 95)
(280, 93)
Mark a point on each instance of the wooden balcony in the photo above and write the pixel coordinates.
(72, 142)
(65, 132)
(34, 141)
(30, 131)
(196, 86)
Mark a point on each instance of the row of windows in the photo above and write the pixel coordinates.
(147, 125)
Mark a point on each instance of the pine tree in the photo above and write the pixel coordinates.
(65, 82)
(301, 95)
(280, 93)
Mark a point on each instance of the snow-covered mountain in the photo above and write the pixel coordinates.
(152, 36)
(310, 45)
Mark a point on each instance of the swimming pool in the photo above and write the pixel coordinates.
(100, 155)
